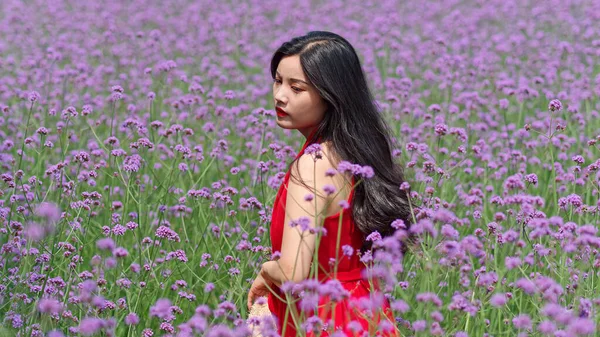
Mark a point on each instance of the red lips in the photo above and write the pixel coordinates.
(280, 112)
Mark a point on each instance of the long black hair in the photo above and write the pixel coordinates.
(355, 127)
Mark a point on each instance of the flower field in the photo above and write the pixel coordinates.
(140, 158)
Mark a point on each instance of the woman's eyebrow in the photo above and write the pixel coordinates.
(293, 79)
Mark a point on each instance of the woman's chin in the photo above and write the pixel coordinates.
(283, 122)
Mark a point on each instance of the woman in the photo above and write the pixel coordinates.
(320, 89)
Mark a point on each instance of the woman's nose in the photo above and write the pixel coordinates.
(280, 96)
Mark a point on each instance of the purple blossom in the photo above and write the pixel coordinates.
(531, 178)
(90, 325)
(33, 96)
(419, 325)
(105, 244)
(50, 306)
(315, 151)
(399, 306)
(161, 309)
(132, 319)
(522, 321)
(366, 172)
(498, 300)
(329, 189)
(303, 222)
(49, 211)
(119, 230)
(178, 254)
(347, 250)
(132, 163)
(167, 233)
(374, 236)
(55, 333)
(554, 105)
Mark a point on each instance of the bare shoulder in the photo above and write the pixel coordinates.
(313, 173)
(308, 164)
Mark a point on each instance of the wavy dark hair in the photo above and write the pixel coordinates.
(355, 127)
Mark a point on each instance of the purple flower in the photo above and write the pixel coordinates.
(55, 333)
(366, 172)
(120, 252)
(555, 105)
(400, 306)
(69, 112)
(131, 225)
(574, 200)
(50, 306)
(512, 262)
(209, 287)
(441, 129)
(449, 232)
(49, 211)
(314, 150)
(344, 204)
(132, 163)
(578, 159)
(546, 327)
(435, 108)
(419, 325)
(581, 327)
(329, 189)
(312, 324)
(374, 237)
(347, 167)
(347, 250)
(309, 301)
(522, 321)
(354, 326)
(42, 131)
(117, 88)
(34, 232)
(132, 319)
(105, 244)
(161, 309)
(303, 222)
(527, 285)
(86, 110)
(167, 233)
(178, 254)
(82, 157)
(90, 325)
(498, 300)
(119, 230)
(330, 172)
(531, 178)
(429, 297)
(33, 96)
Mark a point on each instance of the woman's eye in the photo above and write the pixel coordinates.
(278, 81)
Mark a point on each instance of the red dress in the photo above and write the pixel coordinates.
(349, 270)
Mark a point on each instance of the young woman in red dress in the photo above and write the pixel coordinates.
(320, 90)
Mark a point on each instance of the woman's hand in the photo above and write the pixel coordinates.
(260, 287)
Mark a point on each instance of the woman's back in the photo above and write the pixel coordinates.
(341, 233)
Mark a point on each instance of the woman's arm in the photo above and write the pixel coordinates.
(298, 244)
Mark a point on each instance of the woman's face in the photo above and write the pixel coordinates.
(300, 100)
